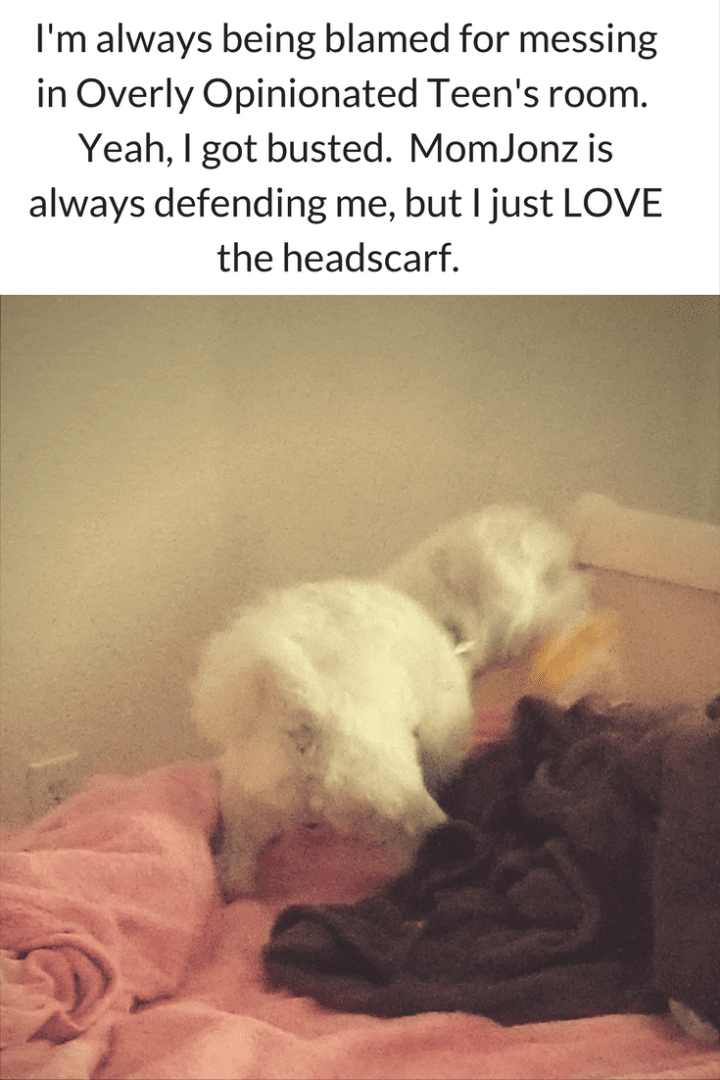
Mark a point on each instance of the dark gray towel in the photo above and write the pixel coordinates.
(579, 875)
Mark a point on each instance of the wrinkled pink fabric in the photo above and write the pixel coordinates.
(101, 902)
(121, 962)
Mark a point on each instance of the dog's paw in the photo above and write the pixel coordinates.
(237, 869)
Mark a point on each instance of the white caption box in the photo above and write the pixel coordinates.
(368, 148)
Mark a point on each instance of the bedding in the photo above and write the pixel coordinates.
(579, 875)
(120, 960)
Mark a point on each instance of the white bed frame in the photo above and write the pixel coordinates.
(662, 575)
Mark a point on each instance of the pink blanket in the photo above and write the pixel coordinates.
(121, 961)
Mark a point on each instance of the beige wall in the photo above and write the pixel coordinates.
(164, 456)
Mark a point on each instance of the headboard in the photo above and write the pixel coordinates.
(662, 575)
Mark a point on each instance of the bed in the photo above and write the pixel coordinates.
(120, 959)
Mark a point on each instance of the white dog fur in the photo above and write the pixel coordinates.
(496, 579)
(348, 702)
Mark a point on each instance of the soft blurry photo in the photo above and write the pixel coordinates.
(360, 666)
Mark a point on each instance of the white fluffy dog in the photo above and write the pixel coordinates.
(348, 702)
(495, 580)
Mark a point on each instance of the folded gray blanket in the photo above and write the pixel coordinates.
(579, 874)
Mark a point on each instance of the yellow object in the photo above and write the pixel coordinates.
(553, 663)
